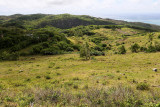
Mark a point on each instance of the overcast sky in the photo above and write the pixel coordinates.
(98, 8)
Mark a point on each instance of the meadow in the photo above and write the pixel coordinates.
(21, 80)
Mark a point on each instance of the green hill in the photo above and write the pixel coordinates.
(63, 21)
(56, 34)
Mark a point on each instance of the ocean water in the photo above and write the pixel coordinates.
(145, 18)
(151, 21)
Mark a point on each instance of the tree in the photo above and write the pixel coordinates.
(135, 48)
(85, 51)
(150, 37)
(122, 50)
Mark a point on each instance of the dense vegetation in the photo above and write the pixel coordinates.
(108, 62)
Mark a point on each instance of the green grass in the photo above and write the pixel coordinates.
(72, 74)
(48, 80)
(70, 67)
(75, 73)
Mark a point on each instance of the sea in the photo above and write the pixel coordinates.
(151, 21)
(144, 18)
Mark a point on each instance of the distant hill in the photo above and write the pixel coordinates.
(63, 21)
(47, 34)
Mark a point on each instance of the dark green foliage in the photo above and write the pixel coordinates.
(37, 49)
(9, 56)
(18, 32)
(69, 49)
(143, 86)
(157, 46)
(47, 77)
(135, 48)
(76, 47)
(66, 21)
(98, 48)
(143, 49)
(97, 53)
(103, 45)
(97, 40)
(151, 48)
(121, 50)
(51, 51)
(150, 37)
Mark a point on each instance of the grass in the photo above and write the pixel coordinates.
(136, 66)
(74, 75)
(68, 80)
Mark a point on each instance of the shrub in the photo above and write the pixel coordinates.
(9, 56)
(76, 78)
(69, 49)
(38, 76)
(121, 50)
(98, 48)
(157, 46)
(75, 86)
(135, 48)
(37, 49)
(47, 77)
(103, 45)
(51, 51)
(97, 53)
(85, 51)
(142, 86)
(151, 48)
(143, 49)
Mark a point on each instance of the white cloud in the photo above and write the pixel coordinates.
(91, 7)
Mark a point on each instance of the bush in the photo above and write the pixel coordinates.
(69, 49)
(47, 77)
(97, 53)
(151, 48)
(37, 49)
(135, 48)
(143, 49)
(9, 56)
(76, 47)
(85, 51)
(121, 50)
(51, 51)
(142, 86)
(98, 48)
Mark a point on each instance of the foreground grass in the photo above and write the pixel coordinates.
(67, 80)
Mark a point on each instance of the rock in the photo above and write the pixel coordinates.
(155, 69)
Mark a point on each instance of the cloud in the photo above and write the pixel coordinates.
(89, 7)
(61, 2)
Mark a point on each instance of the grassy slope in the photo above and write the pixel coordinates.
(64, 72)
(102, 71)
(117, 36)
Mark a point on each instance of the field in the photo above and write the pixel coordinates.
(69, 73)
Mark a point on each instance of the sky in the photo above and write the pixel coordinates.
(97, 8)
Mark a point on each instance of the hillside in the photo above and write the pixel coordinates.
(63, 21)
(67, 61)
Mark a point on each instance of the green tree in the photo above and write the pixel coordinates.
(85, 51)
(135, 48)
(121, 50)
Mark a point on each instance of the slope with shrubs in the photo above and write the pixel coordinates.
(116, 71)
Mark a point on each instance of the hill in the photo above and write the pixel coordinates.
(56, 34)
(68, 60)
(63, 21)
